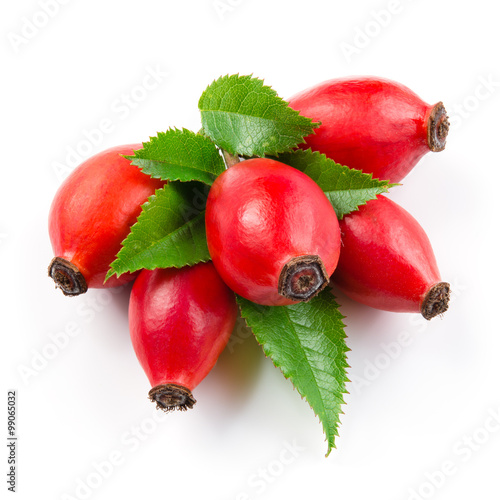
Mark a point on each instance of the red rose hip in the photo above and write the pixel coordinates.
(180, 321)
(272, 234)
(91, 215)
(372, 124)
(387, 261)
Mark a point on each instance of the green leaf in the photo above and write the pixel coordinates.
(169, 232)
(243, 116)
(345, 187)
(179, 155)
(306, 341)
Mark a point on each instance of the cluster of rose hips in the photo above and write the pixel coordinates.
(273, 236)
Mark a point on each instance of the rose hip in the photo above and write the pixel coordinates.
(91, 215)
(272, 234)
(180, 321)
(372, 124)
(387, 261)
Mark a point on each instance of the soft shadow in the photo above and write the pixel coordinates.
(121, 297)
(237, 370)
(360, 319)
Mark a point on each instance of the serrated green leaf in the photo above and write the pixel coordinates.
(345, 187)
(306, 341)
(245, 117)
(169, 232)
(179, 155)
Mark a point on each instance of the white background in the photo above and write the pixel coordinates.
(413, 411)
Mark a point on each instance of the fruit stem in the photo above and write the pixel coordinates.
(169, 397)
(437, 128)
(230, 159)
(436, 300)
(67, 277)
(302, 278)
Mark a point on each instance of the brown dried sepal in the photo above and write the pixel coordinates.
(169, 397)
(67, 277)
(436, 300)
(302, 278)
(437, 128)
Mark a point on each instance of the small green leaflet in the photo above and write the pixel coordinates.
(345, 187)
(245, 117)
(179, 155)
(169, 232)
(306, 341)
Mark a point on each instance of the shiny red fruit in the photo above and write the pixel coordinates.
(387, 261)
(180, 321)
(91, 215)
(372, 124)
(272, 234)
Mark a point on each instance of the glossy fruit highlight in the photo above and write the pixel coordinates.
(180, 321)
(372, 124)
(91, 215)
(272, 234)
(387, 261)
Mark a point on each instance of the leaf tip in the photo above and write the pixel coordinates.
(110, 273)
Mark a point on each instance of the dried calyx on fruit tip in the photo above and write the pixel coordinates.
(387, 261)
(261, 215)
(180, 320)
(169, 397)
(394, 126)
(437, 128)
(67, 277)
(302, 278)
(436, 300)
(91, 214)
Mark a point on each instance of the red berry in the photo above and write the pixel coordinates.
(372, 124)
(91, 215)
(387, 261)
(272, 234)
(180, 321)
